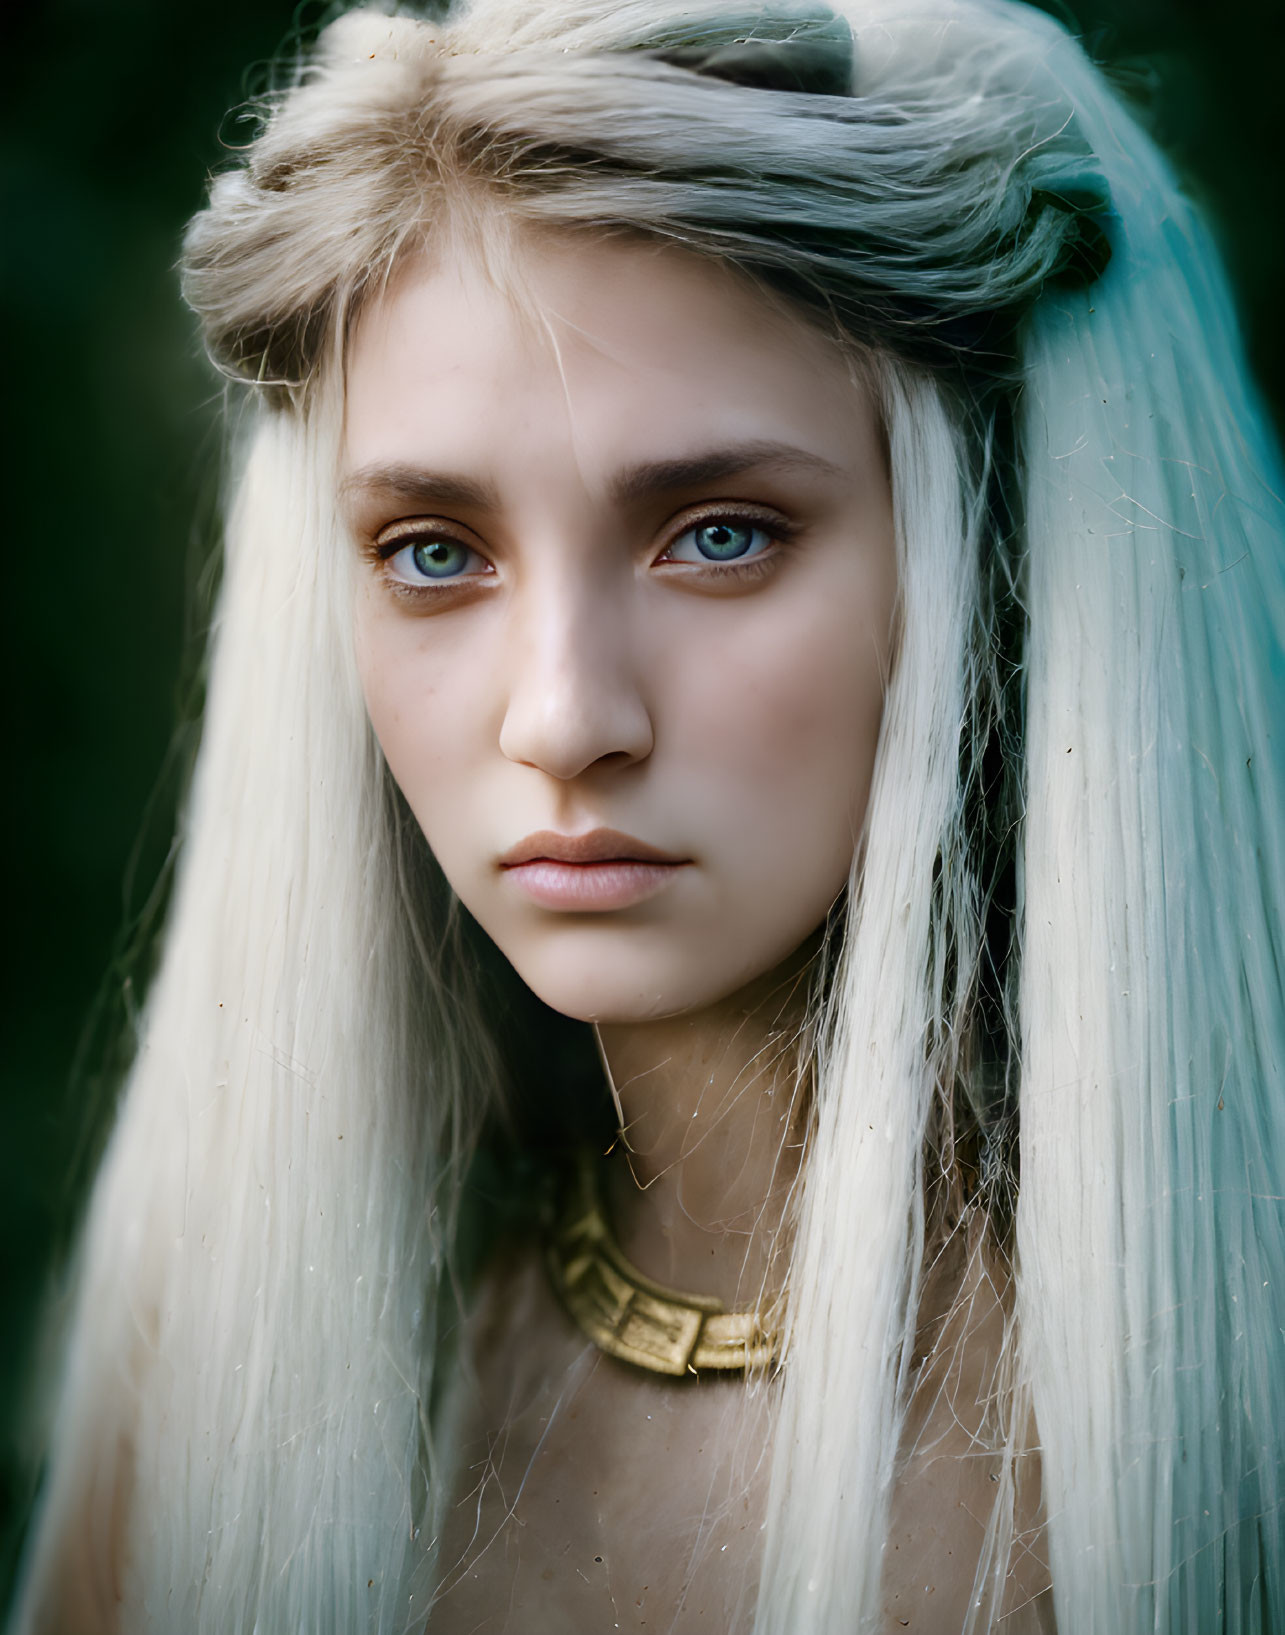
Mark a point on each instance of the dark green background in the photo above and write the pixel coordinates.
(114, 113)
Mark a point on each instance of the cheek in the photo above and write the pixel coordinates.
(425, 718)
(783, 717)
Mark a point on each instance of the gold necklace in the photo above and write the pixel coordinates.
(631, 1317)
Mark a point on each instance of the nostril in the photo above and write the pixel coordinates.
(571, 724)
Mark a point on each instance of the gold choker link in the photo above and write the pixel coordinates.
(635, 1319)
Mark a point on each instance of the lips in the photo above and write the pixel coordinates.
(598, 846)
(589, 873)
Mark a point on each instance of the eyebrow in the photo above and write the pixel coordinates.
(663, 476)
(417, 485)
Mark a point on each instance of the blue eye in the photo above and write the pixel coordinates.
(433, 559)
(719, 540)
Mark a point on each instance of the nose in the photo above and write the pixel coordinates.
(573, 698)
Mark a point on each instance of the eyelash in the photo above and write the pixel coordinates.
(779, 529)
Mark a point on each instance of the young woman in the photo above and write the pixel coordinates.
(750, 535)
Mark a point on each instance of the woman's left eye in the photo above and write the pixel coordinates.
(720, 539)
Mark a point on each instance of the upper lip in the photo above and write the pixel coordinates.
(597, 846)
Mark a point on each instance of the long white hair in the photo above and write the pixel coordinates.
(257, 1363)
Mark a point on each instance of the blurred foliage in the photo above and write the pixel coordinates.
(115, 110)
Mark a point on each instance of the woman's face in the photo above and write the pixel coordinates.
(625, 611)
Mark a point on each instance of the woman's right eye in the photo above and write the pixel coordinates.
(429, 560)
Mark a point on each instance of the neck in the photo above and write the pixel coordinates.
(713, 1112)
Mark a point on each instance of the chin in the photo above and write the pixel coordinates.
(593, 979)
(597, 997)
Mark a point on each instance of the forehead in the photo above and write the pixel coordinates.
(600, 344)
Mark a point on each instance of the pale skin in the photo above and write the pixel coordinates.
(627, 571)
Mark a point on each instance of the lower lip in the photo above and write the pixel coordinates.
(591, 887)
